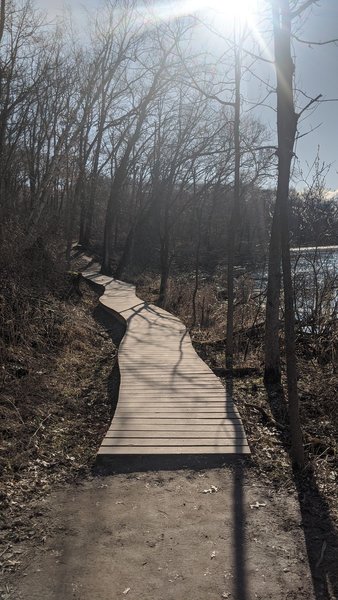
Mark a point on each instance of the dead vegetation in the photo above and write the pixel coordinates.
(56, 362)
(262, 409)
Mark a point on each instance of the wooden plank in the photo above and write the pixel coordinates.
(170, 396)
(173, 387)
(168, 430)
(169, 442)
(153, 401)
(151, 406)
(173, 414)
(191, 412)
(180, 382)
(197, 449)
(172, 421)
(170, 371)
(185, 437)
(171, 392)
(171, 400)
(176, 428)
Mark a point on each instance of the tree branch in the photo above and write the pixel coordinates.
(303, 7)
(2, 17)
(298, 137)
(257, 57)
(312, 101)
(312, 43)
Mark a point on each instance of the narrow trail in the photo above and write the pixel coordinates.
(170, 402)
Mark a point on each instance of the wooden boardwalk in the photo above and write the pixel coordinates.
(170, 402)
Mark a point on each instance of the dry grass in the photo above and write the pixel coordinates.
(264, 411)
(55, 401)
(211, 306)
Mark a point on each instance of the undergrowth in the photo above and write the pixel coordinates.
(264, 410)
(56, 362)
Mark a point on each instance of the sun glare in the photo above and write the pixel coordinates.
(224, 12)
(242, 10)
(229, 10)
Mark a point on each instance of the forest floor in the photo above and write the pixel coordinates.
(248, 530)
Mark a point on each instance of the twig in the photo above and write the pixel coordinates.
(15, 408)
(314, 43)
(5, 550)
(265, 414)
(312, 101)
(322, 552)
(302, 8)
(36, 431)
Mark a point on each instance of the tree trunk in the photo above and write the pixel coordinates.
(2, 17)
(233, 228)
(272, 370)
(89, 208)
(108, 233)
(197, 270)
(82, 220)
(123, 262)
(286, 128)
(165, 268)
(70, 227)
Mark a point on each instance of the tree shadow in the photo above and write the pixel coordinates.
(239, 543)
(320, 531)
(115, 329)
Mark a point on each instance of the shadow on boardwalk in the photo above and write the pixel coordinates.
(320, 531)
(115, 329)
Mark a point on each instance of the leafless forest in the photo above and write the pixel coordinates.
(125, 137)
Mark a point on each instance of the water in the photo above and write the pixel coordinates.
(315, 281)
(307, 262)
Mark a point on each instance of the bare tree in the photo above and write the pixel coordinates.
(2, 18)
(272, 367)
(286, 131)
(235, 213)
(116, 41)
(157, 75)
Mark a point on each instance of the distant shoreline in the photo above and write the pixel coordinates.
(315, 248)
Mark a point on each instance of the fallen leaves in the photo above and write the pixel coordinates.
(211, 490)
(258, 505)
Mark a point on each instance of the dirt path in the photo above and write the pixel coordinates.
(148, 536)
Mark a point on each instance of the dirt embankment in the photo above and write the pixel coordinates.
(57, 387)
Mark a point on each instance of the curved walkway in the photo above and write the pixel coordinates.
(170, 402)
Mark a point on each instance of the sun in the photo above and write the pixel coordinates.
(223, 14)
(240, 9)
(229, 10)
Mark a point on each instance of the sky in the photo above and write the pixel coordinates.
(316, 73)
